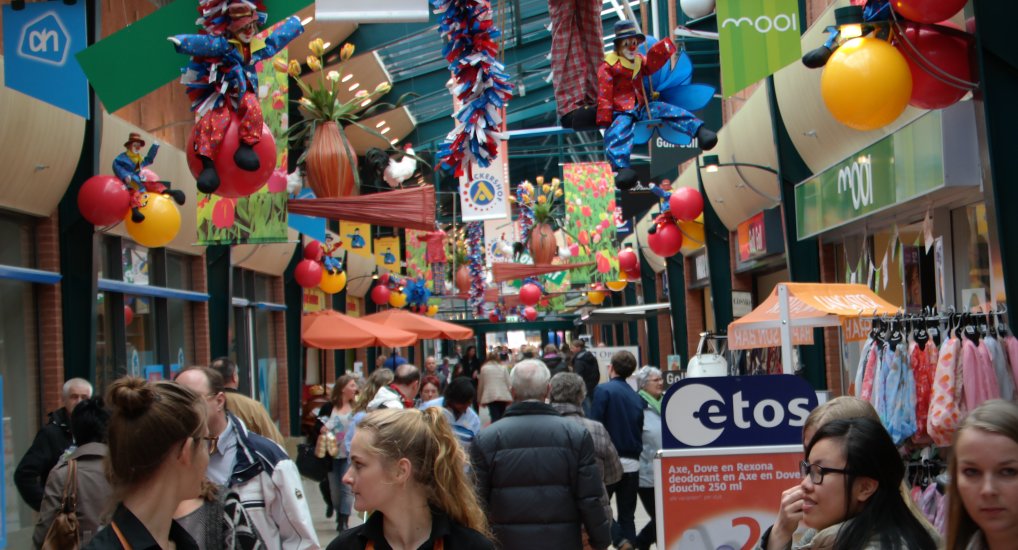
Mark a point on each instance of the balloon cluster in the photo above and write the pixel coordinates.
(417, 295)
(629, 265)
(685, 204)
(913, 56)
(104, 200)
(320, 269)
(475, 263)
(479, 82)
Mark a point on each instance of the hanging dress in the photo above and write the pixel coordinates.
(1005, 380)
(945, 402)
(980, 382)
(899, 397)
(923, 372)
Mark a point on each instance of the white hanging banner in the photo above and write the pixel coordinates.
(485, 195)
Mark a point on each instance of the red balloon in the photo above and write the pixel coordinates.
(928, 11)
(666, 241)
(308, 273)
(128, 315)
(234, 182)
(634, 275)
(313, 251)
(529, 313)
(530, 294)
(103, 200)
(380, 295)
(383, 278)
(939, 50)
(686, 203)
(628, 260)
(493, 316)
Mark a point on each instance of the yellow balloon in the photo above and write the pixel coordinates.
(161, 223)
(616, 285)
(692, 236)
(333, 282)
(397, 299)
(596, 297)
(432, 310)
(866, 84)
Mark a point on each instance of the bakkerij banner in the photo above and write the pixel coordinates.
(756, 38)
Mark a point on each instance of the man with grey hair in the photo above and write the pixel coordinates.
(50, 443)
(567, 483)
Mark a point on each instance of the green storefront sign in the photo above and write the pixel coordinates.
(896, 169)
(756, 38)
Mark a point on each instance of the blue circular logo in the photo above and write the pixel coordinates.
(482, 192)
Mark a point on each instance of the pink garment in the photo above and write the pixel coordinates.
(922, 371)
(871, 371)
(436, 246)
(988, 375)
(977, 374)
(1010, 345)
(945, 402)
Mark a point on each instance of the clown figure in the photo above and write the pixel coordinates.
(622, 100)
(221, 78)
(127, 167)
(436, 258)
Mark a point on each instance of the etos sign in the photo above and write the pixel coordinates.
(736, 411)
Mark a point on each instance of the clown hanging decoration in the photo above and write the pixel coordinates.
(223, 84)
(626, 110)
(131, 168)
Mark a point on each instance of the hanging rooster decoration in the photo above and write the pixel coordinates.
(395, 169)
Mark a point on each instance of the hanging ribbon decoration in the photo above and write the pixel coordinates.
(524, 198)
(475, 259)
(479, 82)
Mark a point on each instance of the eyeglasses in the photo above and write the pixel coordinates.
(213, 442)
(817, 472)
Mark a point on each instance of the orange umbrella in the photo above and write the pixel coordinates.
(423, 327)
(331, 329)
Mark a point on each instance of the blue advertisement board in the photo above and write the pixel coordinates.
(40, 41)
(735, 411)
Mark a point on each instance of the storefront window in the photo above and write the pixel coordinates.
(181, 335)
(19, 367)
(971, 258)
(141, 339)
(265, 363)
(105, 361)
(178, 271)
(136, 263)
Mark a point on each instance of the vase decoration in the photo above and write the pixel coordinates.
(539, 217)
(541, 243)
(331, 162)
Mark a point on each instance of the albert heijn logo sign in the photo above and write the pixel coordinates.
(40, 41)
(736, 411)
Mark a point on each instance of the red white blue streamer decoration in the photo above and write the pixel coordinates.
(475, 261)
(479, 82)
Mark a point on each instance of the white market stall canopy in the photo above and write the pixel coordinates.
(788, 316)
(626, 313)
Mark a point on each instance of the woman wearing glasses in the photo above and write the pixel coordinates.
(851, 495)
(158, 451)
(983, 492)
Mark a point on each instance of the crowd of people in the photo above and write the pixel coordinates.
(193, 464)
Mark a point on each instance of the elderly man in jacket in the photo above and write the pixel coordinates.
(567, 484)
(49, 444)
(257, 468)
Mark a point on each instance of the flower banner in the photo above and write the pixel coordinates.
(416, 249)
(590, 209)
(261, 217)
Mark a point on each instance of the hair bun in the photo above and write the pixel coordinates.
(131, 396)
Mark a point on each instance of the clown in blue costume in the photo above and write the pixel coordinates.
(622, 101)
(221, 78)
(127, 167)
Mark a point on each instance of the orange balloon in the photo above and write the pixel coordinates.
(161, 223)
(596, 297)
(692, 236)
(866, 84)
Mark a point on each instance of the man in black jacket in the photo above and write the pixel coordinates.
(585, 364)
(535, 456)
(49, 444)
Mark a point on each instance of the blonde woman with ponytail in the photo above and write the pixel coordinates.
(408, 469)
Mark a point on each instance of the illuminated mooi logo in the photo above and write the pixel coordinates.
(766, 23)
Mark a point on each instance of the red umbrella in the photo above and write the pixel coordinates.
(423, 327)
(331, 329)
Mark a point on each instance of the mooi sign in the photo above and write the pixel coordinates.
(736, 411)
(756, 38)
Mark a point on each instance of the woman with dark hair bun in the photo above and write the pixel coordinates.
(159, 448)
(851, 495)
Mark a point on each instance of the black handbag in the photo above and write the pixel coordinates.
(310, 466)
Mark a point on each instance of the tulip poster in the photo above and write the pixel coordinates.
(416, 249)
(590, 208)
(261, 217)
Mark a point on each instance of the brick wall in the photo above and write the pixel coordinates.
(282, 402)
(51, 359)
(832, 337)
(200, 313)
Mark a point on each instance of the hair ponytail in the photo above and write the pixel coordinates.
(450, 490)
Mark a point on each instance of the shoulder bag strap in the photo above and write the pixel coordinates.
(120, 536)
(69, 501)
